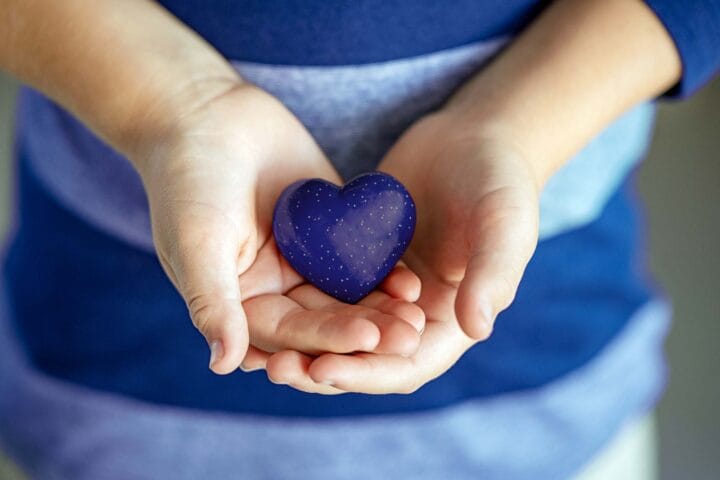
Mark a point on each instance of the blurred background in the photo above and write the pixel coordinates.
(680, 182)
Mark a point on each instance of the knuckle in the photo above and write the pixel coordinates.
(201, 307)
(286, 327)
(284, 333)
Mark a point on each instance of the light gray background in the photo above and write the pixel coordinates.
(680, 182)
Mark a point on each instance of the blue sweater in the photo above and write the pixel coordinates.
(341, 32)
(582, 286)
(87, 303)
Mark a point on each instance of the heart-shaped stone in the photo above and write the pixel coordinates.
(344, 240)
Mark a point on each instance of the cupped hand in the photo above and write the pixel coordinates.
(477, 202)
(211, 185)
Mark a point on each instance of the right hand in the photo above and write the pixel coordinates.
(212, 184)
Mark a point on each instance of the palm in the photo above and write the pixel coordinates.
(477, 228)
(286, 312)
(212, 194)
(477, 210)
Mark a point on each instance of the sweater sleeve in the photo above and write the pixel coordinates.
(694, 26)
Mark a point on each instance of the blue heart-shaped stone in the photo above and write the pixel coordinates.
(344, 240)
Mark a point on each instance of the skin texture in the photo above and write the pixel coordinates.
(489, 152)
(476, 169)
(211, 170)
(212, 231)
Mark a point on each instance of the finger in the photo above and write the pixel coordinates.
(486, 289)
(385, 303)
(269, 273)
(397, 337)
(402, 283)
(369, 373)
(502, 245)
(395, 334)
(291, 368)
(442, 344)
(278, 322)
(205, 264)
(255, 359)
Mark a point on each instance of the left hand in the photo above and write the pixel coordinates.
(477, 201)
(476, 169)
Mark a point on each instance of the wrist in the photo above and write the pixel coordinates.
(577, 67)
(498, 132)
(233, 123)
(150, 70)
(165, 118)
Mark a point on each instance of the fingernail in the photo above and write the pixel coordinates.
(488, 317)
(216, 351)
(422, 330)
(251, 369)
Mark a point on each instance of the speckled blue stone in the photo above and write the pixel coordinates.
(345, 240)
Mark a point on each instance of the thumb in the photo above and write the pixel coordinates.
(205, 267)
(501, 247)
(488, 287)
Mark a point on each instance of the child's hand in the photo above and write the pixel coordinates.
(476, 169)
(212, 183)
(478, 216)
(477, 203)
